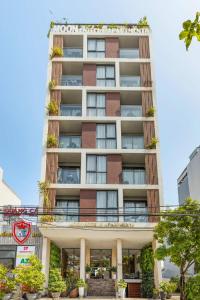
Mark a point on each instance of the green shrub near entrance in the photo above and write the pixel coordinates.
(146, 260)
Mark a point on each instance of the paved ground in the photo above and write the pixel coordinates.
(109, 298)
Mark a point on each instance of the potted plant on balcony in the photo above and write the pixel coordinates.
(151, 112)
(52, 84)
(113, 269)
(121, 285)
(7, 284)
(51, 141)
(56, 51)
(52, 108)
(56, 283)
(88, 271)
(81, 285)
(153, 143)
(30, 277)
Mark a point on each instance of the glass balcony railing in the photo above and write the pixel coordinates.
(129, 53)
(72, 52)
(133, 176)
(131, 110)
(70, 110)
(130, 81)
(132, 142)
(69, 175)
(66, 141)
(71, 80)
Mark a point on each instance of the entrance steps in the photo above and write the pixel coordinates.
(101, 287)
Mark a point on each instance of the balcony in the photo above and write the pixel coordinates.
(131, 110)
(133, 176)
(68, 175)
(70, 110)
(129, 81)
(69, 141)
(129, 53)
(71, 80)
(73, 52)
(132, 142)
(135, 211)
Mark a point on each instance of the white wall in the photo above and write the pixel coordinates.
(7, 196)
(194, 177)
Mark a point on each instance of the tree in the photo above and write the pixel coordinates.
(179, 237)
(190, 29)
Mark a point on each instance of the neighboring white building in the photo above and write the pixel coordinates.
(7, 195)
(189, 180)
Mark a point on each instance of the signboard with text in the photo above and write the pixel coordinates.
(23, 254)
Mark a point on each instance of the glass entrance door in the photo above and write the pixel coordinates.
(101, 262)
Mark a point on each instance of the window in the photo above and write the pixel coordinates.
(133, 176)
(71, 261)
(128, 264)
(69, 141)
(137, 209)
(107, 206)
(70, 110)
(69, 210)
(96, 48)
(8, 255)
(105, 75)
(132, 142)
(96, 169)
(69, 175)
(96, 104)
(131, 110)
(106, 136)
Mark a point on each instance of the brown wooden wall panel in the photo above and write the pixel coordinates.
(114, 168)
(56, 72)
(134, 290)
(149, 132)
(147, 102)
(88, 135)
(112, 47)
(153, 204)
(113, 104)
(151, 169)
(145, 73)
(53, 128)
(52, 197)
(51, 167)
(87, 205)
(144, 51)
(58, 41)
(89, 75)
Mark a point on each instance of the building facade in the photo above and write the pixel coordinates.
(188, 181)
(98, 151)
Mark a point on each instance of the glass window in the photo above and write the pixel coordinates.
(133, 176)
(70, 110)
(96, 104)
(105, 75)
(100, 258)
(69, 210)
(131, 110)
(96, 169)
(128, 263)
(106, 136)
(69, 141)
(71, 261)
(132, 142)
(96, 48)
(69, 175)
(107, 206)
(138, 209)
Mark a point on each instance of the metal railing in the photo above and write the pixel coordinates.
(72, 52)
(132, 142)
(133, 176)
(71, 80)
(68, 175)
(70, 110)
(69, 141)
(129, 53)
(131, 110)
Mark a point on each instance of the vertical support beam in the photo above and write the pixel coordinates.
(119, 259)
(83, 167)
(117, 74)
(45, 259)
(120, 204)
(157, 266)
(85, 46)
(84, 103)
(118, 134)
(82, 259)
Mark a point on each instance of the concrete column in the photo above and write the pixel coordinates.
(119, 137)
(84, 46)
(120, 204)
(82, 259)
(45, 259)
(84, 102)
(157, 266)
(83, 167)
(117, 74)
(119, 259)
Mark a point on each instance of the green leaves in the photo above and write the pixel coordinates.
(190, 30)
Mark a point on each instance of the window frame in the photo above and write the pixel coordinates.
(95, 172)
(107, 206)
(96, 52)
(67, 208)
(96, 108)
(106, 78)
(106, 139)
(134, 218)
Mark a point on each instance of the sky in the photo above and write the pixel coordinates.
(23, 73)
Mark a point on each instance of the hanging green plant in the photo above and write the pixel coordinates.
(151, 112)
(56, 52)
(146, 261)
(153, 143)
(52, 108)
(51, 141)
(52, 84)
(44, 192)
(143, 22)
(52, 24)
